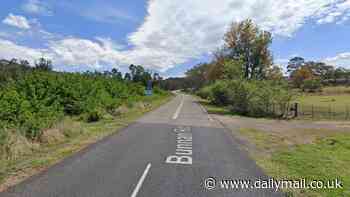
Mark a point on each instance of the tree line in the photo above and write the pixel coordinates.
(34, 97)
(311, 75)
(243, 77)
(11, 69)
(245, 54)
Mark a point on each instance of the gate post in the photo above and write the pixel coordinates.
(296, 110)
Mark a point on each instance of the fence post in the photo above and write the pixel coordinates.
(347, 112)
(296, 110)
(330, 111)
(312, 111)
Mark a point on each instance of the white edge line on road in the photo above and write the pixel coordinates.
(142, 179)
(179, 108)
(205, 111)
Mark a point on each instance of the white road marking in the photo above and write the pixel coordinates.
(205, 111)
(142, 179)
(179, 108)
(183, 152)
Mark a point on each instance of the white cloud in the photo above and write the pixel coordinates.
(342, 59)
(74, 51)
(37, 7)
(17, 21)
(338, 12)
(175, 32)
(9, 50)
(68, 51)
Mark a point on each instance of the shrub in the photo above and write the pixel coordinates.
(238, 96)
(3, 136)
(311, 85)
(69, 128)
(252, 98)
(38, 99)
(93, 116)
(219, 93)
(205, 92)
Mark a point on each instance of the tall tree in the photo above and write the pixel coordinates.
(116, 74)
(320, 69)
(299, 76)
(139, 75)
(247, 42)
(295, 63)
(198, 75)
(43, 64)
(216, 67)
(127, 77)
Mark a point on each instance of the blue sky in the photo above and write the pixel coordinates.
(169, 36)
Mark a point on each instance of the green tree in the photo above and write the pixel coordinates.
(216, 67)
(320, 69)
(233, 69)
(198, 75)
(139, 74)
(127, 77)
(274, 73)
(295, 63)
(246, 41)
(43, 64)
(300, 75)
(116, 74)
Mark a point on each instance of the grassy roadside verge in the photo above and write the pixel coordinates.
(324, 159)
(291, 150)
(44, 155)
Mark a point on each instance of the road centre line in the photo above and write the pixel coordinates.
(142, 179)
(177, 112)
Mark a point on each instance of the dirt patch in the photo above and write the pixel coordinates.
(120, 111)
(290, 132)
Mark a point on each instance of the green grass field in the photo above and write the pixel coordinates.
(331, 103)
(337, 102)
(326, 159)
(291, 153)
(333, 90)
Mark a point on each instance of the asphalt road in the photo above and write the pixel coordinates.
(167, 153)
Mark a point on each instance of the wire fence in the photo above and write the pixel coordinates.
(330, 112)
(311, 112)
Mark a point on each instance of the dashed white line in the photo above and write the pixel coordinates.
(177, 112)
(142, 179)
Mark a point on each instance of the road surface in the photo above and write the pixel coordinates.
(170, 152)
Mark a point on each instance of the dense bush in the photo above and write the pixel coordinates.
(205, 92)
(93, 116)
(219, 93)
(252, 98)
(40, 98)
(311, 85)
